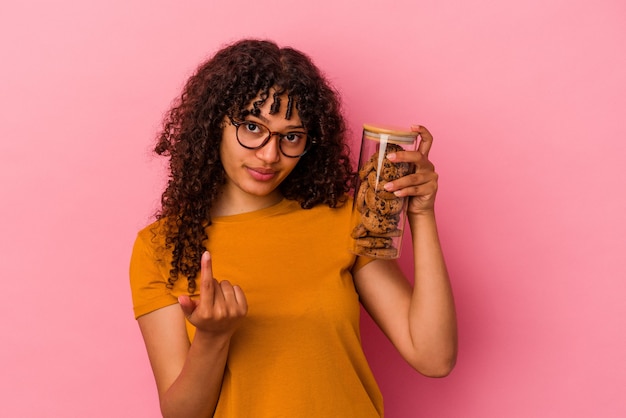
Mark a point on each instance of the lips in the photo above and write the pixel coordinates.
(261, 174)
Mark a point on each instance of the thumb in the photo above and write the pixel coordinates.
(187, 304)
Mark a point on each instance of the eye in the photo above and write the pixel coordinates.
(252, 127)
(294, 137)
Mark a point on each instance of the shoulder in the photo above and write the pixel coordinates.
(149, 245)
(153, 229)
(152, 235)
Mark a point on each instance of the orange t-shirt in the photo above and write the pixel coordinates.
(298, 351)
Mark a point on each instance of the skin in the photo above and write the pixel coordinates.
(419, 320)
(253, 176)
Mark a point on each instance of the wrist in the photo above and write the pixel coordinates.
(426, 214)
(212, 338)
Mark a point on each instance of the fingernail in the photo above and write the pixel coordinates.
(391, 156)
(388, 186)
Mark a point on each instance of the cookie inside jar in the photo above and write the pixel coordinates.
(378, 216)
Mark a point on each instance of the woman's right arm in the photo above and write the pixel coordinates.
(189, 375)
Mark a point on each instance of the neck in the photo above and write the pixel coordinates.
(228, 204)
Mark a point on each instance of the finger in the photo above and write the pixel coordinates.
(426, 139)
(421, 190)
(225, 292)
(234, 302)
(423, 170)
(408, 185)
(187, 304)
(233, 295)
(207, 283)
(242, 302)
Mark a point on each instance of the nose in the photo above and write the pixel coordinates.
(270, 152)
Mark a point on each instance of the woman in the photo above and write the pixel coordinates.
(244, 290)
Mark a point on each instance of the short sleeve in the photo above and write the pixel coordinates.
(148, 277)
(360, 262)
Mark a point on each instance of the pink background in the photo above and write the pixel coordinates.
(526, 100)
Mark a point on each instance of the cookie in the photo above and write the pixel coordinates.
(359, 231)
(377, 252)
(367, 168)
(374, 242)
(391, 171)
(378, 184)
(392, 148)
(382, 206)
(388, 170)
(361, 195)
(383, 252)
(378, 224)
(403, 169)
(385, 168)
(390, 234)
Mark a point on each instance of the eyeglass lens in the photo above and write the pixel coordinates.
(254, 135)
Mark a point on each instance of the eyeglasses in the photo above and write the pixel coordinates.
(254, 135)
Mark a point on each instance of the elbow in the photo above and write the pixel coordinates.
(167, 412)
(440, 370)
(435, 366)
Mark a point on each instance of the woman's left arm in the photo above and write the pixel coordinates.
(420, 320)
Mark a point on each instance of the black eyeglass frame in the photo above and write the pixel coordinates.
(237, 124)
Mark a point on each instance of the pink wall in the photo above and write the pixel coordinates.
(526, 100)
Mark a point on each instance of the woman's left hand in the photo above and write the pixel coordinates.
(421, 186)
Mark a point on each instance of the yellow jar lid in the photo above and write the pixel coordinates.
(391, 134)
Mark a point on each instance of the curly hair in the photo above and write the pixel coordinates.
(226, 85)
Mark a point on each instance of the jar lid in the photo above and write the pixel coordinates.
(391, 134)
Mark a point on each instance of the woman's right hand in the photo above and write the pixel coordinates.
(220, 307)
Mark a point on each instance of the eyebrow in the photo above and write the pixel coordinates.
(266, 120)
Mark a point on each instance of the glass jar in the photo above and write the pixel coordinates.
(378, 215)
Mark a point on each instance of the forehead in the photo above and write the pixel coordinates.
(271, 103)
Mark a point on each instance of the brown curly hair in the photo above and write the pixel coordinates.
(225, 85)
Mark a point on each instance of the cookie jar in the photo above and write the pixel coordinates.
(379, 216)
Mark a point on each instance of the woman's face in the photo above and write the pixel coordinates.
(253, 176)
